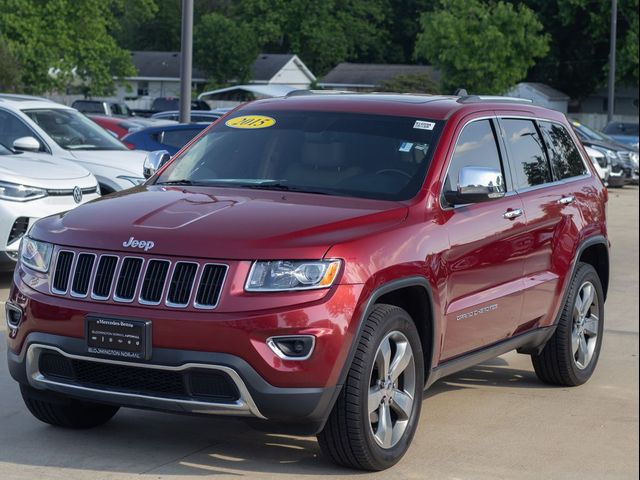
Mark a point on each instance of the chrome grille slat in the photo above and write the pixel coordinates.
(63, 269)
(184, 275)
(210, 285)
(82, 275)
(154, 281)
(104, 277)
(145, 281)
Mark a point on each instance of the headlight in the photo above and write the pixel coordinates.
(133, 180)
(283, 275)
(35, 254)
(634, 157)
(611, 155)
(20, 193)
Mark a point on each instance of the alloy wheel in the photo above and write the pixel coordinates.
(584, 332)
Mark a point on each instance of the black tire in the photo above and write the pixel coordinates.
(556, 364)
(65, 412)
(348, 437)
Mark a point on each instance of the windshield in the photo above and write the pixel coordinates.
(345, 154)
(586, 132)
(4, 150)
(73, 131)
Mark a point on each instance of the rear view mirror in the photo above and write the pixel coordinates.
(475, 185)
(26, 144)
(154, 161)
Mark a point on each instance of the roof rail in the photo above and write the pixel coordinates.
(491, 98)
(303, 92)
(21, 98)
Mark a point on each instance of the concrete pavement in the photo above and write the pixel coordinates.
(491, 421)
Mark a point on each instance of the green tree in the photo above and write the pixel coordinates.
(224, 49)
(322, 33)
(11, 71)
(577, 61)
(483, 47)
(418, 83)
(64, 42)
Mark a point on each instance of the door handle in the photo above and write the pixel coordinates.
(567, 200)
(513, 214)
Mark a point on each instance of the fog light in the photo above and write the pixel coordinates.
(292, 347)
(13, 315)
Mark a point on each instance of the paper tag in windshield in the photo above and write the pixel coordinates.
(405, 147)
(251, 121)
(424, 125)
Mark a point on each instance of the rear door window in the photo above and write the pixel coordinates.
(565, 157)
(526, 153)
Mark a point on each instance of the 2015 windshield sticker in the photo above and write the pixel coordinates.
(424, 125)
(251, 121)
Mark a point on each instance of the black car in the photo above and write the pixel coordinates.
(623, 159)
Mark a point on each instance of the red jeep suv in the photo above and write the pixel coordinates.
(316, 262)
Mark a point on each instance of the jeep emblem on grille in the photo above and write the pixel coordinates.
(146, 245)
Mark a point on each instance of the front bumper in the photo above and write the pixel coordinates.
(305, 407)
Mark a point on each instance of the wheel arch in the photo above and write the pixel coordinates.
(595, 252)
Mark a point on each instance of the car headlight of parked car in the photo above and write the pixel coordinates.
(283, 275)
(612, 155)
(634, 158)
(133, 180)
(35, 254)
(20, 193)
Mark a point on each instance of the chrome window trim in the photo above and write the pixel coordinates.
(191, 294)
(91, 273)
(224, 279)
(93, 280)
(508, 160)
(165, 290)
(245, 405)
(55, 269)
(137, 282)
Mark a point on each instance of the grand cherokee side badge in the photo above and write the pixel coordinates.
(145, 245)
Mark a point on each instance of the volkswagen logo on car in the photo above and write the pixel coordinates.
(77, 194)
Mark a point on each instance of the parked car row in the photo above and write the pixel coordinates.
(622, 159)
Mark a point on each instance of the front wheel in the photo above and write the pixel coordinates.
(375, 417)
(571, 355)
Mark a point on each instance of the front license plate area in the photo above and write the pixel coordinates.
(119, 338)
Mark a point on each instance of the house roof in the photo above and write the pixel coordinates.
(545, 90)
(372, 74)
(160, 65)
(267, 65)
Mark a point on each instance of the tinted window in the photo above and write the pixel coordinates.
(476, 147)
(88, 107)
(565, 157)
(178, 138)
(162, 104)
(204, 118)
(526, 151)
(72, 130)
(12, 128)
(347, 154)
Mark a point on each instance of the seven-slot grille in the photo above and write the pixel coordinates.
(136, 279)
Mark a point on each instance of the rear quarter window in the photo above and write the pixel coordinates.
(565, 157)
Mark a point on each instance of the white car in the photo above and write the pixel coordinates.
(38, 125)
(32, 186)
(600, 162)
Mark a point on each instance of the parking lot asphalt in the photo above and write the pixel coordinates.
(491, 421)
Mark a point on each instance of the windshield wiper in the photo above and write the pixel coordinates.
(281, 186)
(183, 181)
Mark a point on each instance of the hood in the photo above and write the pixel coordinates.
(40, 170)
(220, 223)
(131, 161)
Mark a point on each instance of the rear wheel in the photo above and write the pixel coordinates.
(65, 412)
(376, 415)
(571, 355)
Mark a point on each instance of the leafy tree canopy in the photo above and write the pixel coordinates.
(10, 72)
(483, 47)
(58, 42)
(418, 83)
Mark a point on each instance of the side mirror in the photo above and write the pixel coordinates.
(154, 161)
(26, 144)
(475, 185)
